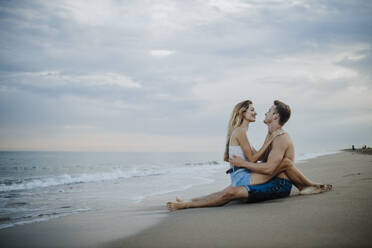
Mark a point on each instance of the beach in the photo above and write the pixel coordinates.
(340, 218)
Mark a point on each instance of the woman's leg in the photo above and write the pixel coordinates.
(213, 200)
(202, 198)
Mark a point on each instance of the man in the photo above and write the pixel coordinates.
(279, 163)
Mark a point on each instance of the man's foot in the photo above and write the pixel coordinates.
(316, 189)
(172, 206)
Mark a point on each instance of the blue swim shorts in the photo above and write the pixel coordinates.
(273, 189)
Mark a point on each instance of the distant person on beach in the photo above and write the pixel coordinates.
(252, 181)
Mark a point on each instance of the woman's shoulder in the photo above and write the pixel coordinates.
(238, 131)
(237, 134)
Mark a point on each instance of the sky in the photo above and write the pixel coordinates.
(164, 76)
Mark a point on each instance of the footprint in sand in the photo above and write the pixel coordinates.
(352, 174)
(368, 178)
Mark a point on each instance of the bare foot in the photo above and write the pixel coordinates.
(316, 189)
(178, 199)
(172, 206)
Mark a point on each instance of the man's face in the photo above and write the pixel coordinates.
(269, 116)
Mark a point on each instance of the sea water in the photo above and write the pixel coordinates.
(39, 186)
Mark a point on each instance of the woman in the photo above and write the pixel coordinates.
(237, 144)
(237, 140)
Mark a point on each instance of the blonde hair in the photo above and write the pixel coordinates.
(235, 121)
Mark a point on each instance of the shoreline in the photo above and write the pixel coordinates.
(127, 227)
(366, 151)
(96, 228)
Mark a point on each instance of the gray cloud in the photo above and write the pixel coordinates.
(176, 68)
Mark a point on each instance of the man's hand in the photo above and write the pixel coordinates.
(236, 161)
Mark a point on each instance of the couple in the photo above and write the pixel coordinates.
(272, 177)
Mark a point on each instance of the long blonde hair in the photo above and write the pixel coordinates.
(235, 121)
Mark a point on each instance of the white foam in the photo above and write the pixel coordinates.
(44, 218)
(73, 179)
(66, 179)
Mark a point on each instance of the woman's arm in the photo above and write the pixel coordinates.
(268, 168)
(254, 151)
(242, 139)
(263, 157)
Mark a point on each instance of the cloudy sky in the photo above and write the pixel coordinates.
(138, 75)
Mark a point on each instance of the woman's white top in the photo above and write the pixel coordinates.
(237, 151)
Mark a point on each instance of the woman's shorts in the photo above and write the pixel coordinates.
(241, 177)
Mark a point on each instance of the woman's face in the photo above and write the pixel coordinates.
(250, 114)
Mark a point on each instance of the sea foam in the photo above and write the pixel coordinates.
(66, 179)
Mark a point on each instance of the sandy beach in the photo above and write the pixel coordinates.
(340, 218)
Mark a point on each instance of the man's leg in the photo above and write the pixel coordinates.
(297, 178)
(285, 165)
(216, 199)
(288, 167)
(304, 185)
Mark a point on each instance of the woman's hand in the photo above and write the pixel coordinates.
(275, 134)
(236, 161)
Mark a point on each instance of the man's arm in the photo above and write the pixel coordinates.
(275, 157)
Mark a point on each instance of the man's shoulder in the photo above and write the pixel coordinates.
(283, 139)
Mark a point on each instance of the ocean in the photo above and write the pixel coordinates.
(39, 186)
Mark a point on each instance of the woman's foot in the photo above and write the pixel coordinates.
(315, 189)
(178, 199)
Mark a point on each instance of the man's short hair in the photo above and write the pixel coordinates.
(283, 110)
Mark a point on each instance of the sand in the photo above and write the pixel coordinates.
(340, 218)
